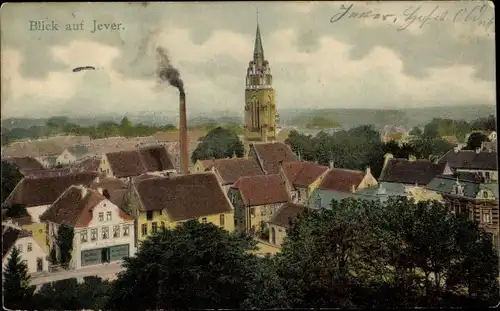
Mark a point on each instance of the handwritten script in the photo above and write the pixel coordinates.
(417, 15)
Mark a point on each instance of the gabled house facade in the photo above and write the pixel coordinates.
(36, 229)
(339, 184)
(472, 197)
(102, 231)
(256, 199)
(163, 202)
(302, 178)
(33, 254)
(287, 213)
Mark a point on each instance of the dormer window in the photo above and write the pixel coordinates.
(485, 194)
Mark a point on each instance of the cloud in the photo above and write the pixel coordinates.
(351, 63)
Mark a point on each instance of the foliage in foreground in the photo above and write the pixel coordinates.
(356, 254)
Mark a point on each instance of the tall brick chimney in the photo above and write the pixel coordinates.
(183, 137)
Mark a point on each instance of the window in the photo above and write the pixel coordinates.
(83, 236)
(108, 216)
(149, 215)
(116, 231)
(40, 230)
(485, 194)
(486, 216)
(222, 220)
(101, 216)
(93, 234)
(144, 228)
(125, 230)
(487, 176)
(154, 227)
(456, 207)
(204, 220)
(163, 225)
(105, 232)
(20, 248)
(30, 247)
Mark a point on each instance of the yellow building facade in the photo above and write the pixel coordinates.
(260, 101)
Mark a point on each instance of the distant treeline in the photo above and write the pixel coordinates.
(62, 126)
(439, 127)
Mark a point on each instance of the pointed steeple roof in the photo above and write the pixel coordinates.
(258, 49)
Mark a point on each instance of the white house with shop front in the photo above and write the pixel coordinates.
(103, 233)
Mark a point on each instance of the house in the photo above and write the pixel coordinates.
(102, 232)
(72, 154)
(339, 184)
(229, 170)
(484, 163)
(280, 222)
(89, 164)
(399, 174)
(30, 251)
(269, 155)
(157, 202)
(24, 164)
(37, 229)
(50, 172)
(204, 165)
(130, 163)
(302, 178)
(256, 199)
(472, 197)
(37, 194)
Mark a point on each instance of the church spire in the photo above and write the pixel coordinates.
(258, 49)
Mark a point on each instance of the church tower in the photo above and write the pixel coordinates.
(260, 106)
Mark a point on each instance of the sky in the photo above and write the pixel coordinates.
(319, 58)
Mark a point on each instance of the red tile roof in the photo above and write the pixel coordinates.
(341, 180)
(74, 207)
(271, 154)
(114, 186)
(25, 163)
(286, 213)
(230, 170)
(184, 197)
(302, 174)
(45, 190)
(262, 189)
(131, 163)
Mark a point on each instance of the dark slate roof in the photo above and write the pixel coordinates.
(78, 150)
(131, 163)
(184, 197)
(470, 159)
(286, 213)
(404, 171)
(444, 185)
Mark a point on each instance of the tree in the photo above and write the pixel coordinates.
(11, 176)
(416, 131)
(16, 282)
(64, 241)
(195, 265)
(217, 144)
(485, 124)
(16, 211)
(126, 127)
(475, 141)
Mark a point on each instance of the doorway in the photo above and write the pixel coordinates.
(105, 254)
(39, 264)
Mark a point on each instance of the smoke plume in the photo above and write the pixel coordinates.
(166, 72)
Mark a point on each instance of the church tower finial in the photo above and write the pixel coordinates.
(258, 50)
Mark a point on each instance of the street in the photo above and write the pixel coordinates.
(106, 271)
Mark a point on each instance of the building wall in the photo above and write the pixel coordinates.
(39, 233)
(265, 248)
(104, 167)
(267, 116)
(279, 233)
(36, 211)
(65, 158)
(96, 224)
(419, 194)
(31, 256)
(315, 184)
(198, 167)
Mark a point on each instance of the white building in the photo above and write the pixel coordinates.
(32, 253)
(102, 231)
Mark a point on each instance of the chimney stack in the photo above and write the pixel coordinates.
(183, 137)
